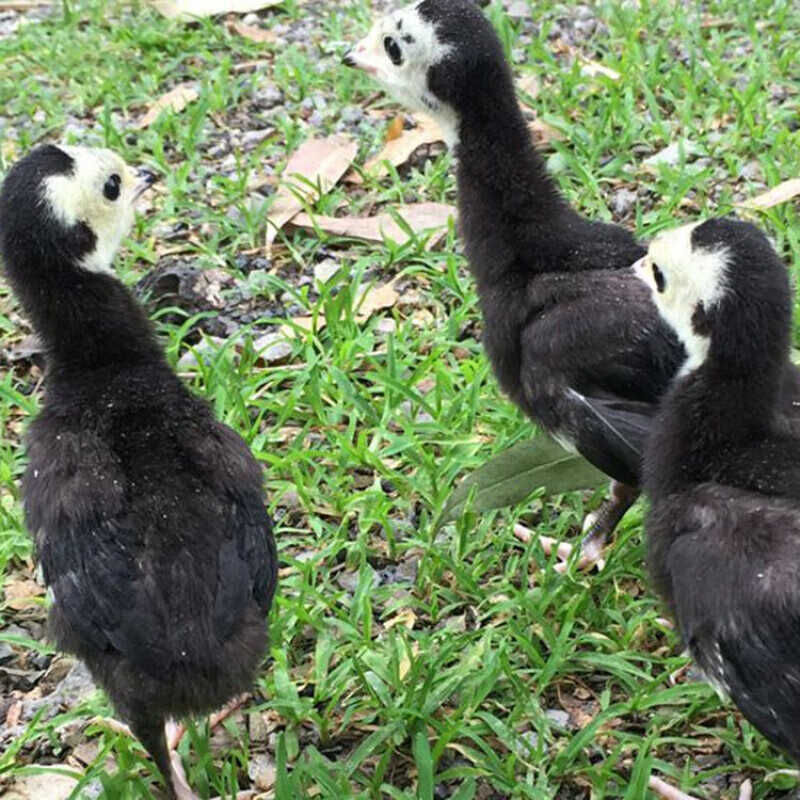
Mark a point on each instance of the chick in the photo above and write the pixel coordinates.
(573, 339)
(722, 469)
(148, 514)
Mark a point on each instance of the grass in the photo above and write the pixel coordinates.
(405, 663)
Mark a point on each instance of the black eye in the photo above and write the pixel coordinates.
(658, 277)
(393, 51)
(111, 188)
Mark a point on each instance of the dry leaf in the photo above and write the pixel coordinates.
(188, 9)
(774, 197)
(321, 163)
(251, 32)
(594, 68)
(177, 99)
(543, 133)
(529, 86)
(23, 5)
(407, 618)
(377, 299)
(46, 786)
(419, 217)
(394, 130)
(399, 149)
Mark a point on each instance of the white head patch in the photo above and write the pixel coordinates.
(682, 278)
(398, 52)
(88, 195)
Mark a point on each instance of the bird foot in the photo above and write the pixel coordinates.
(176, 730)
(667, 792)
(563, 550)
(113, 725)
(663, 790)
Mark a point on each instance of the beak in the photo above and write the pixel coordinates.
(145, 179)
(360, 57)
(638, 266)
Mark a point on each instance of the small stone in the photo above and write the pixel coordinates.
(325, 270)
(6, 653)
(671, 155)
(272, 348)
(558, 717)
(268, 97)
(623, 202)
(385, 326)
(290, 501)
(262, 771)
(250, 19)
(251, 139)
(257, 728)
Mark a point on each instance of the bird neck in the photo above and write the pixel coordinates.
(499, 167)
(707, 414)
(86, 320)
(508, 203)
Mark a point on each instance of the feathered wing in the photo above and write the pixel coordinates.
(730, 567)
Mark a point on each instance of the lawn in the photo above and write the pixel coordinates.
(406, 660)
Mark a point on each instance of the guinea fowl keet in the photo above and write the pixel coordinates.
(722, 470)
(148, 514)
(573, 339)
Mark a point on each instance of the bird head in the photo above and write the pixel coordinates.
(69, 205)
(431, 55)
(722, 288)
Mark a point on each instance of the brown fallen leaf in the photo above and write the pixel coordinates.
(781, 193)
(594, 68)
(177, 99)
(543, 133)
(319, 164)
(419, 217)
(529, 86)
(394, 130)
(23, 5)
(399, 149)
(251, 32)
(375, 299)
(188, 9)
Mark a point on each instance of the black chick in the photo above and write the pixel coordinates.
(723, 470)
(148, 514)
(574, 340)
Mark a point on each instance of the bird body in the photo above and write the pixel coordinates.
(723, 470)
(572, 338)
(147, 513)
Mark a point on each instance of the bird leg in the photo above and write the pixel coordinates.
(599, 525)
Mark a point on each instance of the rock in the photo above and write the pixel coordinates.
(257, 728)
(273, 348)
(558, 717)
(623, 202)
(290, 501)
(385, 326)
(251, 139)
(671, 155)
(268, 97)
(325, 270)
(6, 653)
(250, 19)
(261, 771)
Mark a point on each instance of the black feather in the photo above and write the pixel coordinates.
(148, 514)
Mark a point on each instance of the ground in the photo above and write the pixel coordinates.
(405, 661)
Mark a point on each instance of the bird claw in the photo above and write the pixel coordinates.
(563, 550)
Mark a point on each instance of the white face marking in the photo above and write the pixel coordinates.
(79, 197)
(413, 39)
(689, 278)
